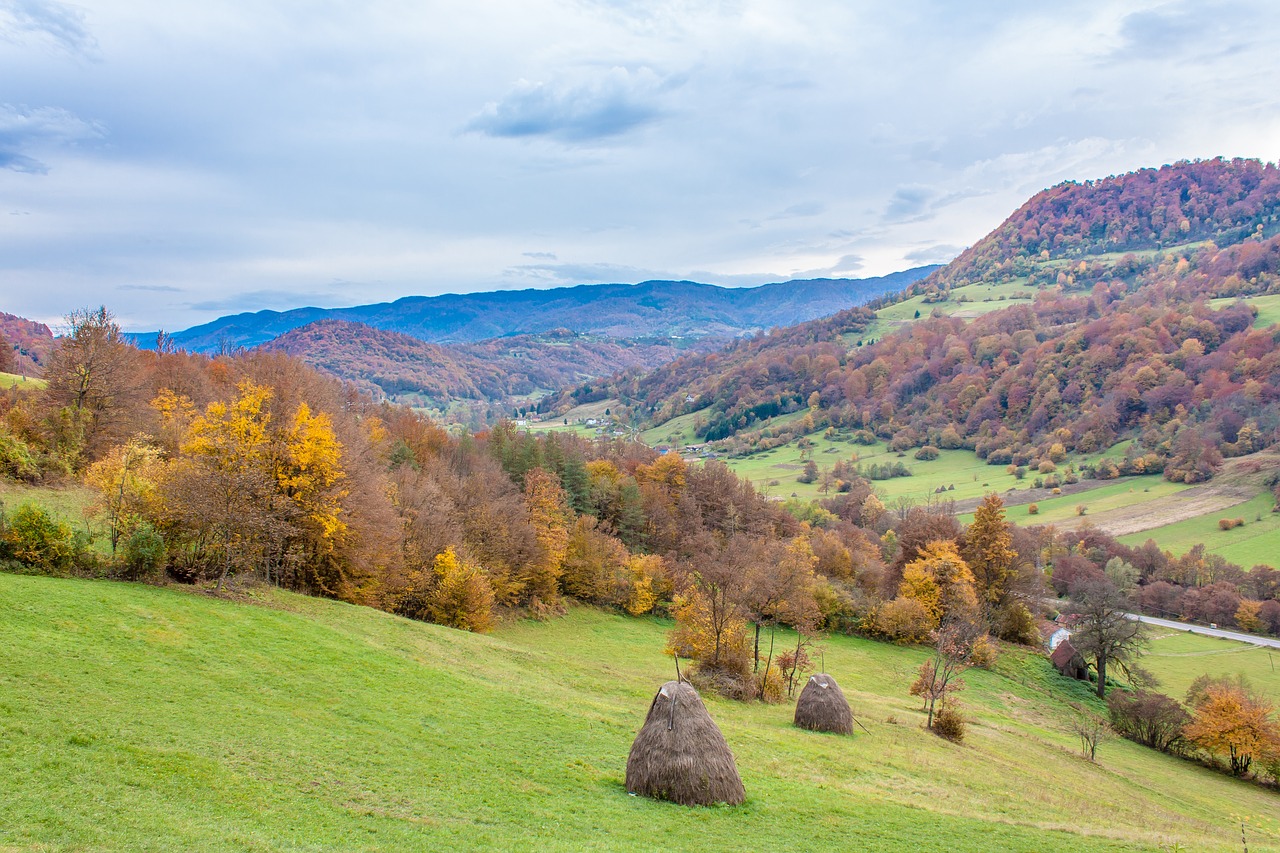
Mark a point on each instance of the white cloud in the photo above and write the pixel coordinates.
(389, 146)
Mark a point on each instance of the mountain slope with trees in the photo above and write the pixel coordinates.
(494, 371)
(1111, 346)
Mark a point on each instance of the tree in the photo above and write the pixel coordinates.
(310, 474)
(7, 361)
(988, 550)
(941, 581)
(780, 587)
(461, 597)
(1233, 719)
(91, 378)
(1100, 628)
(125, 483)
(939, 676)
(227, 485)
(549, 516)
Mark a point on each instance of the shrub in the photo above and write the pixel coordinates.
(948, 722)
(1149, 718)
(904, 620)
(143, 556)
(1081, 509)
(984, 652)
(1015, 623)
(927, 453)
(39, 541)
(1033, 509)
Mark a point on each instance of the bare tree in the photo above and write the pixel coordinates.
(939, 676)
(1102, 630)
(1091, 730)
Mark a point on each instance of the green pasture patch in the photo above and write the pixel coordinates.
(1257, 541)
(1268, 308)
(143, 718)
(1177, 658)
(11, 380)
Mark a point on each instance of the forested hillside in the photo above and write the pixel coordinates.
(1109, 346)
(488, 373)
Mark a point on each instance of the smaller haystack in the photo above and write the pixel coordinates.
(680, 754)
(823, 708)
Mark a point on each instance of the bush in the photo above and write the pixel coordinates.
(39, 541)
(948, 722)
(927, 453)
(1015, 623)
(1033, 509)
(1149, 718)
(984, 652)
(904, 620)
(142, 558)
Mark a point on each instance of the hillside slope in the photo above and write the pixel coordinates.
(496, 370)
(155, 719)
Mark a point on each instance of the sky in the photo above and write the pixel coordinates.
(178, 161)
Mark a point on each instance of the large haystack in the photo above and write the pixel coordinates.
(823, 708)
(680, 755)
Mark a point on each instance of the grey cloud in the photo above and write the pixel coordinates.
(584, 273)
(540, 256)
(257, 300)
(908, 202)
(618, 101)
(63, 24)
(22, 128)
(939, 254)
(1177, 30)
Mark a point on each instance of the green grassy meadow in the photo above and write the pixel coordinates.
(1177, 658)
(1268, 308)
(145, 718)
(9, 380)
(1258, 541)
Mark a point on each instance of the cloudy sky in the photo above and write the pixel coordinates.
(179, 160)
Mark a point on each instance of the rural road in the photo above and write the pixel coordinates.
(1212, 632)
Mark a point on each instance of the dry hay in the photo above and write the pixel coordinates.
(823, 708)
(680, 754)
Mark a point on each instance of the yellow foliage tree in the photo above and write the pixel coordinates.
(230, 448)
(310, 475)
(549, 516)
(988, 550)
(1230, 719)
(461, 596)
(648, 583)
(124, 483)
(940, 580)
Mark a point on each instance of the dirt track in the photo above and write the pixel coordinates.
(1169, 509)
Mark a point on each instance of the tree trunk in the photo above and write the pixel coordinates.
(1102, 676)
(756, 657)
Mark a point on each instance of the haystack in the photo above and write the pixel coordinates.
(823, 708)
(680, 755)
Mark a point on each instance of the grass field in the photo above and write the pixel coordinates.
(158, 719)
(971, 476)
(1255, 542)
(1268, 308)
(1177, 658)
(968, 302)
(9, 380)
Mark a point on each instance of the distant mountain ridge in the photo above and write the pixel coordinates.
(664, 309)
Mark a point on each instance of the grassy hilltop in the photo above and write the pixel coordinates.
(155, 719)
